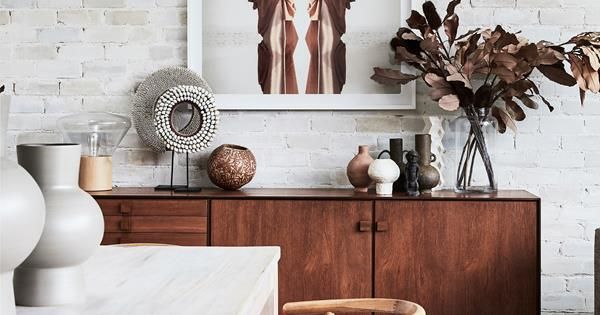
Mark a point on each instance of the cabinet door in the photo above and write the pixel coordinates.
(456, 257)
(323, 253)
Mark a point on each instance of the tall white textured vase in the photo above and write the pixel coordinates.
(52, 274)
(21, 216)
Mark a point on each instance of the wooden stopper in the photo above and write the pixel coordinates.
(95, 173)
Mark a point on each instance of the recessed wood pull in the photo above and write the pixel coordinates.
(125, 224)
(364, 226)
(381, 226)
(125, 208)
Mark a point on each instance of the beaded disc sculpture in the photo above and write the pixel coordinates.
(192, 138)
(174, 110)
(148, 93)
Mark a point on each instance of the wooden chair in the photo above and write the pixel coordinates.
(140, 244)
(330, 307)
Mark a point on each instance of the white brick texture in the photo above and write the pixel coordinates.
(65, 56)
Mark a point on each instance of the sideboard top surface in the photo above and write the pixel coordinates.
(306, 193)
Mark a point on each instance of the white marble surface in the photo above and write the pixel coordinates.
(176, 280)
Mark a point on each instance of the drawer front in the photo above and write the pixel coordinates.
(182, 239)
(153, 207)
(154, 224)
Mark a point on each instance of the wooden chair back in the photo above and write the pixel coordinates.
(140, 244)
(346, 306)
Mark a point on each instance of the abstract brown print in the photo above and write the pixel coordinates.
(327, 65)
(276, 72)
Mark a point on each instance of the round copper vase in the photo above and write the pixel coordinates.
(231, 166)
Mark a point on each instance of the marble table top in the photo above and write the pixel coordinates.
(174, 280)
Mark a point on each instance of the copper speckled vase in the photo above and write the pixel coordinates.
(231, 166)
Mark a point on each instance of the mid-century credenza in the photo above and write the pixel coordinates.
(451, 253)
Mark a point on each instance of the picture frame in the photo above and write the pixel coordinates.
(403, 99)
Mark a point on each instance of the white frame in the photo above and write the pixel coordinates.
(402, 101)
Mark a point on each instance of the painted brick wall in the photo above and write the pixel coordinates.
(64, 56)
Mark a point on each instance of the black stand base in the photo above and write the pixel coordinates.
(187, 189)
(179, 188)
(168, 187)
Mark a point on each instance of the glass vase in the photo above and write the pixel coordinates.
(475, 141)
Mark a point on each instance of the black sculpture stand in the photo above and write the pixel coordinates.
(180, 188)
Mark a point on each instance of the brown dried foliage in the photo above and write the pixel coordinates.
(500, 62)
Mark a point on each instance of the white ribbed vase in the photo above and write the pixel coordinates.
(52, 274)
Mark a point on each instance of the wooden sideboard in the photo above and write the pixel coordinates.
(453, 254)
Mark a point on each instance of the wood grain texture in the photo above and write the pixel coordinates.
(323, 255)
(145, 207)
(141, 224)
(303, 194)
(454, 254)
(462, 257)
(182, 239)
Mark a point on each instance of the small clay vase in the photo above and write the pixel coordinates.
(358, 169)
(231, 166)
(429, 176)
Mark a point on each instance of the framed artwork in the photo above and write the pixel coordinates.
(297, 54)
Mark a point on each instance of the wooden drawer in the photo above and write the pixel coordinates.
(153, 224)
(153, 207)
(182, 239)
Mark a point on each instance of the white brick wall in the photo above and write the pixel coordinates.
(64, 56)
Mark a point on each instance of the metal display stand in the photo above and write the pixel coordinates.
(179, 188)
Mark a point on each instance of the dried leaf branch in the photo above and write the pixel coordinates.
(502, 60)
(454, 67)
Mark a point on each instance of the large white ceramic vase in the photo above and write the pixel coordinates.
(52, 274)
(21, 216)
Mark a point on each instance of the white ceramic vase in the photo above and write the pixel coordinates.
(384, 172)
(52, 274)
(21, 216)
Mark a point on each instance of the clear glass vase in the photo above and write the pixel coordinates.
(475, 142)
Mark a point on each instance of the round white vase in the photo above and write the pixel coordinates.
(52, 274)
(384, 172)
(21, 217)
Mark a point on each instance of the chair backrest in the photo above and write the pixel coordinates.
(331, 307)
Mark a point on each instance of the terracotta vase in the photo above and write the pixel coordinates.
(231, 166)
(429, 176)
(358, 169)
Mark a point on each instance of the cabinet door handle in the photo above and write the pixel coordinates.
(125, 224)
(364, 226)
(381, 226)
(125, 208)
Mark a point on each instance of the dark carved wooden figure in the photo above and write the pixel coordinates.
(412, 173)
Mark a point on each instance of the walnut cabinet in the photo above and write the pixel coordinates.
(453, 254)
